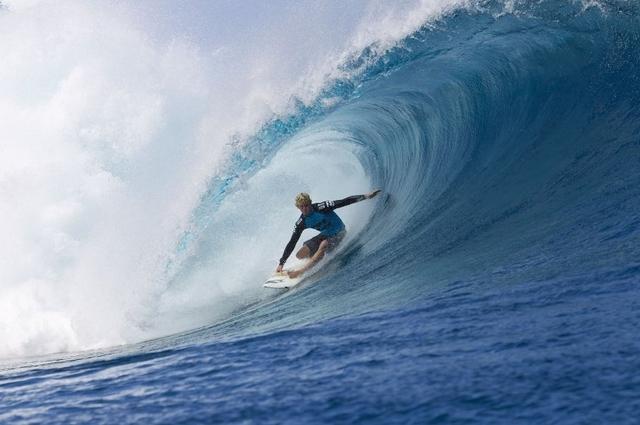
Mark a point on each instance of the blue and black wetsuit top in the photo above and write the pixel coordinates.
(322, 218)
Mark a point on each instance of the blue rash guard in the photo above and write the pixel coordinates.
(322, 218)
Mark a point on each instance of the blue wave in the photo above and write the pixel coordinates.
(504, 142)
(495, 281)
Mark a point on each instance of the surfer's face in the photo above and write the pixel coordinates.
(305, 209)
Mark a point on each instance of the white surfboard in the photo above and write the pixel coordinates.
(281, 281)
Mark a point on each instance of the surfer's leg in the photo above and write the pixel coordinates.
(317, 256)
(310, 247)
(303, 252)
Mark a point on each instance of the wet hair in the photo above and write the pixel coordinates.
(303, 199)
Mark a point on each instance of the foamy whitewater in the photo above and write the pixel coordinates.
(150, 152)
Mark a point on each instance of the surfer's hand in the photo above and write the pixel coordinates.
(372, 194)
(279, 268)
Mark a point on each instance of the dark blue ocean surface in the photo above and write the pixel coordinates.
(497, 280)
(541, 352)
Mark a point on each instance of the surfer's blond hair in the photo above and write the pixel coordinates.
(303, 199)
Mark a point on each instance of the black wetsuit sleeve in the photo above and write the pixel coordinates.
(332, 205)
(297, 231)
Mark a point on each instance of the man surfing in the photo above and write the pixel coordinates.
(319, 216)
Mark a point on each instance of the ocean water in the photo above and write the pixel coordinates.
(149, 165)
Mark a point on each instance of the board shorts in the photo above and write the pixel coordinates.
(314, 243)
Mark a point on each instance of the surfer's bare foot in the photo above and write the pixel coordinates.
(294, 273)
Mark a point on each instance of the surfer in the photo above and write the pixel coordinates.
(319, 216)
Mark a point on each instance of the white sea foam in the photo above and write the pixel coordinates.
(112, 126)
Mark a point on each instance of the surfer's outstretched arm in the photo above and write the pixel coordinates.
(332, 205)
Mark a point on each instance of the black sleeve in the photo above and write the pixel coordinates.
(297, 231)
(332, 205)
